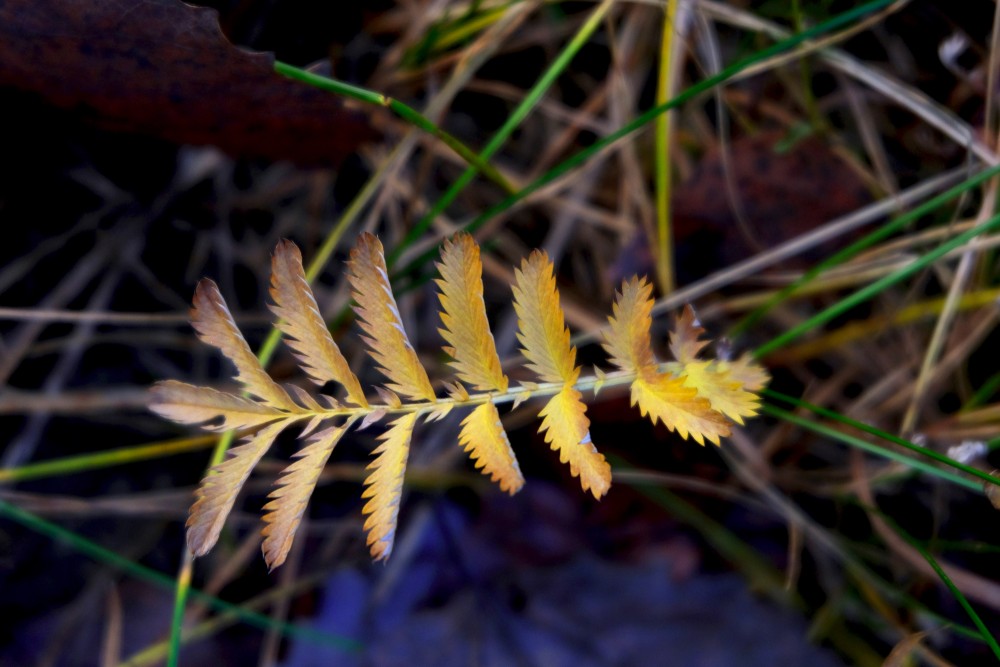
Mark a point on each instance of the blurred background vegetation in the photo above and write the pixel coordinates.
(823, 191)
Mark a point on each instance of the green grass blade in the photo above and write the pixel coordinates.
(878, 433)
(530, 101)
(404, 111)
(946, 580)
(103, 555)
(864, 445)
(876, 287)
(69, 465)
(641, 121)
(861, 244)
(664, 236)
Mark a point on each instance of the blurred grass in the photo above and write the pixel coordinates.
(451, 36)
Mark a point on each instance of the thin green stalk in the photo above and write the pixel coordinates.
(404, 111)
(182, 590)
(103, 555)
(863, 243)
(946, 580)
(114, 457)
(878, 433)
(875, 288)
(530, 101)
(641, 121)
(157, 653)
(812, 109)
(864, 445)
(984, 393)
(664, 240)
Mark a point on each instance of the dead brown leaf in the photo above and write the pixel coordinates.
(164, 68)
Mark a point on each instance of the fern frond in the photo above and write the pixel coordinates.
(628, 338)
(466, 329)
(284, 512)
(212, 320)
(694, 397)
(380, 320)
(218, 491)
(665, 398)
(542, 326)
(483, 437)
(304, 329)
(188, 404)
(567, 430)
(384, 485)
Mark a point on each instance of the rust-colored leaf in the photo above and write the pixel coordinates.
(164, 68)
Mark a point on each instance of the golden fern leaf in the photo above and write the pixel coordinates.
(690, 396)
(379, 319)
(685, 343)
(215, 326)
(304, 329)
(628, 339)
(747, 372)
(218, 491)
(284, 512)
(466, 328)
(567, 430)
(483, 437)
(384, 485)
(188, 404)
(714, 381)
(542, 326)
(664, 397)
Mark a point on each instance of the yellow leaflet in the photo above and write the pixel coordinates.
(297, 482)
(567, 430)
(384, 485)
(727, 395)
(684, 339)
(379, 318)
(215, 326)
(747, 372)
(628, 340)
(664, 397)
(466, 329)
(218, 491)
(541, 324)
(486, 442)
(189, 404)
(305, 331)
